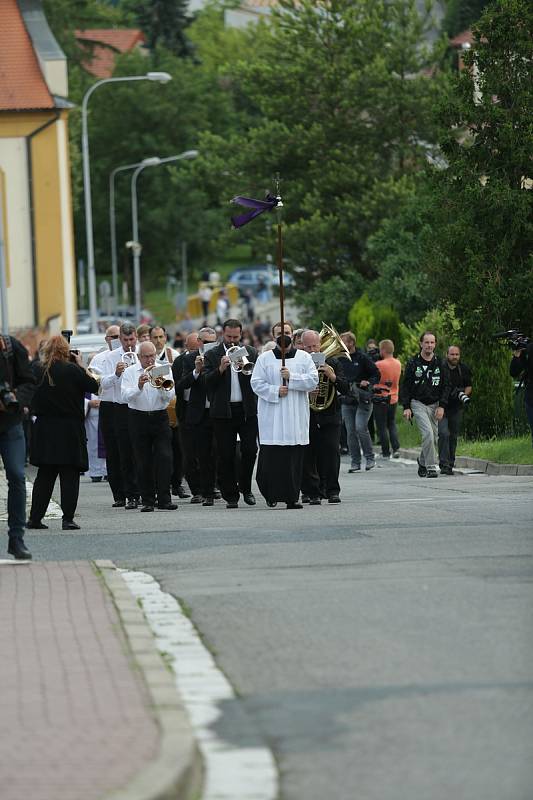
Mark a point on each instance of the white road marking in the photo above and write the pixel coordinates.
(232, 773)
(53, 511)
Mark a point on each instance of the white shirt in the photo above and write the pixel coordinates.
(161, 357)
(236, 394)
(283, 420)
(146, 399)
(97, 365)
(110, 379)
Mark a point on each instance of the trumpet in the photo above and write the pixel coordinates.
(239, 360)
(159, 381)
(129, 358)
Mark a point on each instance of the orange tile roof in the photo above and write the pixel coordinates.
(465, 37)
(22, 85)
(105, 44)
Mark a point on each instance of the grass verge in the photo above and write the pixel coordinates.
(512, 450)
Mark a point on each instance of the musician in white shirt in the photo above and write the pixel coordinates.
(112, 368)
(149, 430)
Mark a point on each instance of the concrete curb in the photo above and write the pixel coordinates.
(479, 464)
(176, 772)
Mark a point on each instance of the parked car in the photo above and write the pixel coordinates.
(251, 277)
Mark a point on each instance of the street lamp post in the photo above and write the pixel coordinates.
(159, 77)
(135, 244)
(112, 222)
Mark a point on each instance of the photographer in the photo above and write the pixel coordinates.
(15, 379)
(458, 378)
(522, 367)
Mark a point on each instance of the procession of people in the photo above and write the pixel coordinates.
(199, 423)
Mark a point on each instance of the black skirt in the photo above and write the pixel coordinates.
(279, 472)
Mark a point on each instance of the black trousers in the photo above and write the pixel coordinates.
(150, 435)
(385, 416)
(109, 432)
(69, 481)
(322, 459)
(449, 427)
(200, 456)
(128, 465)
(226, 431)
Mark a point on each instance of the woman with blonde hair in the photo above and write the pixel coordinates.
(58, 440)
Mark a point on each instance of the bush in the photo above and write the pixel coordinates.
(370, 320)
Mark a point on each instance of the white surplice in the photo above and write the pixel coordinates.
(283, 420)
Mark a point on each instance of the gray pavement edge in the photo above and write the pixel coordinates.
(177, 772)
(478, 464)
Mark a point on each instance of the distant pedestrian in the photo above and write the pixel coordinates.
(222, 307)
(386, 401)
(205, 294)
(357, 407)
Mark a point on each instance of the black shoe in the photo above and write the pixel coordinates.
(167, 507)
(344, 451)
(396, 454)
(119, 504)
(180, 491)
(305, 498)
(36, 526)
(196, 499)
(446, 470)
(370, 465)
(315, 501)
(69, 525)
(147, 508)
(334, 498)
(431, 472)
(273, 503)
(249, 499)
(294, 505)
(354, 469)
(132, 505)
(98, 479)
(422, 471)
(208, 501)
(217, 495)
(17, 548)
(232, 504)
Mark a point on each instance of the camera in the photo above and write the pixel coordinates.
(458, 394)
(8, 398)
(515, 339)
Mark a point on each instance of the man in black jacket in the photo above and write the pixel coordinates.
(233, 410)
(196, 425)
(15, 374)
(423, 395)
(322, 457)
(522, 367)
(458, 378)
(357, 411)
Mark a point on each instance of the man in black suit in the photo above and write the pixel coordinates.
(233, 410)
(180, 468)
(196, 425)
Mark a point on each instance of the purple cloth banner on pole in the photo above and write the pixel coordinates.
(258, 207)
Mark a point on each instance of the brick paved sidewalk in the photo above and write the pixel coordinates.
(75, 722)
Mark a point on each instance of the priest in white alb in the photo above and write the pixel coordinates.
(283, 418)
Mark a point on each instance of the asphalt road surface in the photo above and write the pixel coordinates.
(382, 648)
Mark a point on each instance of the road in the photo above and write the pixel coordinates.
(382, 648)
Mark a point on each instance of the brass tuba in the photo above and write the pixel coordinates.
(332, 346)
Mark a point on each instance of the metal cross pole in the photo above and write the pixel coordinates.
(159, 77)
(279, 210)
(136, 246)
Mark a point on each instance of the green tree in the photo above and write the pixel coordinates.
(461, 14)
(479, 252)
(339, 98)
(164, 23)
